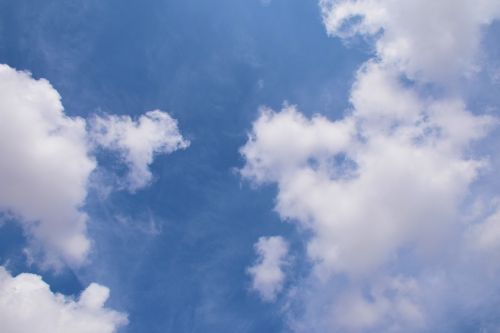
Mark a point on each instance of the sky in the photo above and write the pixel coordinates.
(302, 166)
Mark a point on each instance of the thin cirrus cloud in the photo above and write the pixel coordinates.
(382, 191)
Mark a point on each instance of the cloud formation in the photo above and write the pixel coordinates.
(383, 191)
(430, 40)
(324, 185)
(45, 166)
(27, 305)
(267, 273)
(47, 158)
(138, 141)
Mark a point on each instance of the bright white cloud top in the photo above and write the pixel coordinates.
(430, 40)
(267, 274)
(27, 305)
(45, 166)
(138, 141)
(47, 158)
(384, 190)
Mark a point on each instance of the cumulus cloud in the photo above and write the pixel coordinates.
(381, 192)
(138, 141)
(375, 191)
(47, 158)
(267, 273)
(368, 183)
(27, 305)
(45, 166)
(432, 40)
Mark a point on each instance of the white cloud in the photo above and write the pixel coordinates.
(432, 40)
(267, 274)
(281, 142)
(383, 186)
(381, 191)
(367, 184)
(393, 300)
(27, 305)
(45, 166)
(47, 158)
(155, 132)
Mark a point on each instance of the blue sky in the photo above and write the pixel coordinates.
(177, 251)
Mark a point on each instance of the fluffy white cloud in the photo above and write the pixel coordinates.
(267, 273)
(281, 142)
(27, 305)
(368, 184)
(433, 40)
(47, 158)
(45, 166)
(138, 141)
(386, 185)
(381, 191)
